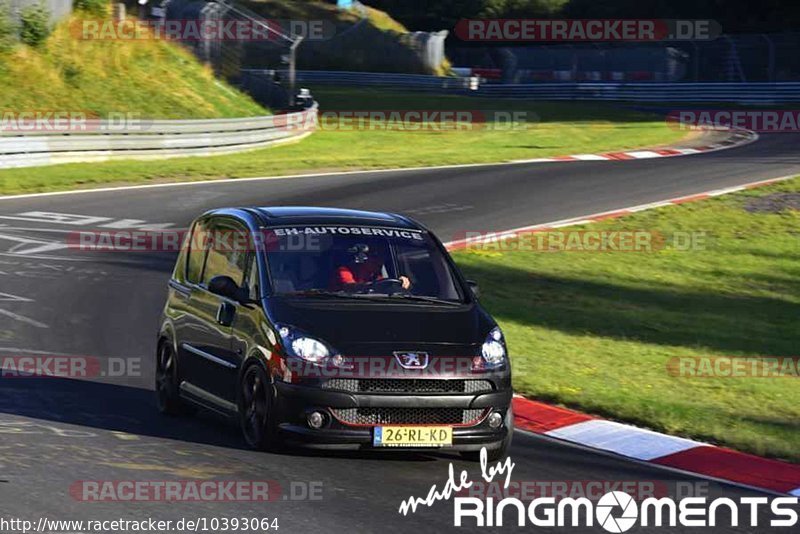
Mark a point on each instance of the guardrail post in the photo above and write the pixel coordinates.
(293, 68)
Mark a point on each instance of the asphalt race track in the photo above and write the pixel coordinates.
(55, 300)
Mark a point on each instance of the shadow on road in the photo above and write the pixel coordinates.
(120, 408)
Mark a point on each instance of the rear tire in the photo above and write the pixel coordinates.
(256, 410)
(493, 455)
(168, 399)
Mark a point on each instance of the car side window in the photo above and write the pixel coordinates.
(197, 249)
(227, 252)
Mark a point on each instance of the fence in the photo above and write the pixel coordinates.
(416, 82)
(729, 58)
(757, 92)
(745, 93)
(154, 139)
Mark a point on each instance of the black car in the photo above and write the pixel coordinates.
(332, 328)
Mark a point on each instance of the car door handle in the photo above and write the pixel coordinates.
(225, 313)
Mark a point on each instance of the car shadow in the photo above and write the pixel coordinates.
(130, 410)
(103, 406)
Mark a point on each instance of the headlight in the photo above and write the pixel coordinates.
(493, 350)
(298, 343)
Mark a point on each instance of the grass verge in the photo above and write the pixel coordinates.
(597, 330)
(552, 129)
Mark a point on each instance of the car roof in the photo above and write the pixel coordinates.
(301, 215)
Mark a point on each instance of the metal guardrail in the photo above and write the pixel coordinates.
(418, 82)
(102, 140)
(756, 92)
(648, 92)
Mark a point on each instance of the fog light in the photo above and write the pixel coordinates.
(316, 420)
(495, 420)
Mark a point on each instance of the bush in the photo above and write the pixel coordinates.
(34, 24)
(8, 30)
(93, 7)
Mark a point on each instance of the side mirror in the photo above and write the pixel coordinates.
(473, 285)
(224, 286)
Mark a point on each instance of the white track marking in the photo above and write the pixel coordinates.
(726, 191)
(72, 219)
(624, 439)
(590, 157)
(8, 297)
(44, 246)
(570, 223)
(644, 154)
(56, 218)
(23, 319)
(650, 206)
(14, 350)
(136, 224)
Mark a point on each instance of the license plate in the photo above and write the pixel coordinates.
(412, 436)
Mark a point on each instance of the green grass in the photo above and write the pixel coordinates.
(154, 79)
(595, 330)
(555, 129)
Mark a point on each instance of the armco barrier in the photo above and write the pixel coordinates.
(153, 139)
(755, 92)
(415, 82)
(648, 92)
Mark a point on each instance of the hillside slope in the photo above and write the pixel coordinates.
(154, 78)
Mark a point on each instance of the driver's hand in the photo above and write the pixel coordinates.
(406, 282)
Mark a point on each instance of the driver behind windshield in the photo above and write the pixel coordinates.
(363, 268)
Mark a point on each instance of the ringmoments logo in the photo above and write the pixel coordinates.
(616, 500)
(615, 511)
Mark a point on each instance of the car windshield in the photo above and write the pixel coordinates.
(358, 262)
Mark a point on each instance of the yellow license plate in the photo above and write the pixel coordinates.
(412, 436)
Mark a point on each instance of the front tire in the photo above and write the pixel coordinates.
(256, 410)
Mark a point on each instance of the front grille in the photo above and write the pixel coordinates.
(408, 416)
(407, 385)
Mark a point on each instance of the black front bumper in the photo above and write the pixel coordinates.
(294, 402)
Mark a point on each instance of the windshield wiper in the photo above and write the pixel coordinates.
(323, 294)
(369, 296)
(424, 298)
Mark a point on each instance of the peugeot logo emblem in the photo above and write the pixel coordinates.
(412, 360)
